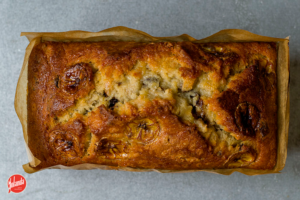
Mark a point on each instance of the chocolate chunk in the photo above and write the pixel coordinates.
(142, 125)
(198, 110)
(112, 103)
(69, 144)
(56, 81)
(104, 94)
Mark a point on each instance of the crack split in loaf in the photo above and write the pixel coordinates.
(166, 105)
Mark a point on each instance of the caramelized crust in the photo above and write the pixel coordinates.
(167, 105)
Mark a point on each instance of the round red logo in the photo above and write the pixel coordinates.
(16, 183)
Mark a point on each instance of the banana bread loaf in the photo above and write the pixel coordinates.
(164, 105)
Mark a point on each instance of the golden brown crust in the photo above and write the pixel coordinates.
(167, 105)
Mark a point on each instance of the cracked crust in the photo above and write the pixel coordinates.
(167, 105)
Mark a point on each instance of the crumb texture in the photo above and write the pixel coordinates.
(166, 105)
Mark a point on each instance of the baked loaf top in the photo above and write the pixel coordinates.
(166, 105)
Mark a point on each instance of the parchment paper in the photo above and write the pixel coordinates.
(127, 34)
